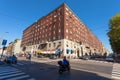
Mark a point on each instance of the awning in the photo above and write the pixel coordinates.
(40, 51)
(72, 51)
(68, 50)
(58, 51)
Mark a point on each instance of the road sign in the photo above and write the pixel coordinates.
(4, 42)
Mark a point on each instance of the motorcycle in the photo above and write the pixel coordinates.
(63, 68)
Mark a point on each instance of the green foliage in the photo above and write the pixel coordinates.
(114, 33)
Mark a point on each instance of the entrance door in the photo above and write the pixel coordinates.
(78, 53)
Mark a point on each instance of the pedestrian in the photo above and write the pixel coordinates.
(14, 59)
(29, 57)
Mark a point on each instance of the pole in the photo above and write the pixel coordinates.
(2, 52)
(1, 38)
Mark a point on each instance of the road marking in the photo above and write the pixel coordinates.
(2, 77)
(116, 71)
(11, 73)
(20, 77)
(4, 71)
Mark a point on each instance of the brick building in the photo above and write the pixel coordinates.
(61, 32)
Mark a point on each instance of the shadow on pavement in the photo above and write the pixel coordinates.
(47, 71)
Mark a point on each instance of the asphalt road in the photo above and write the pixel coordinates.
(45, 69)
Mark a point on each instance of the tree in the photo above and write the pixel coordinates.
(114, 33)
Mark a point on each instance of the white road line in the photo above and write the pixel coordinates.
(20, 77)
(2, 77)
(1, 74)
(7, 68)
(114, 77)
(116, 71)
(4, 71)
(11, 73)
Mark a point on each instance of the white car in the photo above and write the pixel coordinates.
(109, 59)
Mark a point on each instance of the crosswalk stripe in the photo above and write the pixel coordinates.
(7, 67)
(2, 77)
(4, 71)
(9, 73)
(20, 64)
(12, 73)
(116, 71)
(20, 77)
(114, 77)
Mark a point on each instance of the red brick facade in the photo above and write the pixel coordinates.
(61, 23)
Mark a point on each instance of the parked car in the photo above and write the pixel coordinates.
(86, 57)
(11, 59)
(109, 59)
(3, 58)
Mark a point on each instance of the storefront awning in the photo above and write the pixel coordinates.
(40, 51)
(58, 51)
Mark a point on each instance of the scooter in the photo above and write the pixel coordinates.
(63, 68)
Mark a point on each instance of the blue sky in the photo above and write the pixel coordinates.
(17, 15)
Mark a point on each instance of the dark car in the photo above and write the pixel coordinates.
(86, 57)
(11, 59)
(109, 59)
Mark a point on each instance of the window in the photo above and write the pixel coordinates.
(59, 43)
(67, 51)
(54, 38)
(59, 30)
(54, 44)
(55, 16)
(67, 45)
(54, 32)
(66, 13)
(67, 30)
(67, 37)
(58, 37)
(67, 9)
(49, 44)
(66, 23)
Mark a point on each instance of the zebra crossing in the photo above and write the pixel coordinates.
(116, 71)
(20, 63)
(11, 73)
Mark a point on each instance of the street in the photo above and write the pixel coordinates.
(47, 69)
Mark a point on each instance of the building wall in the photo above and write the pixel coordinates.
(48, 28)
(16, 46)
(77, 31)
(61, 26)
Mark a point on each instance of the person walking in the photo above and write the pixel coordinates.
(29, 57)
